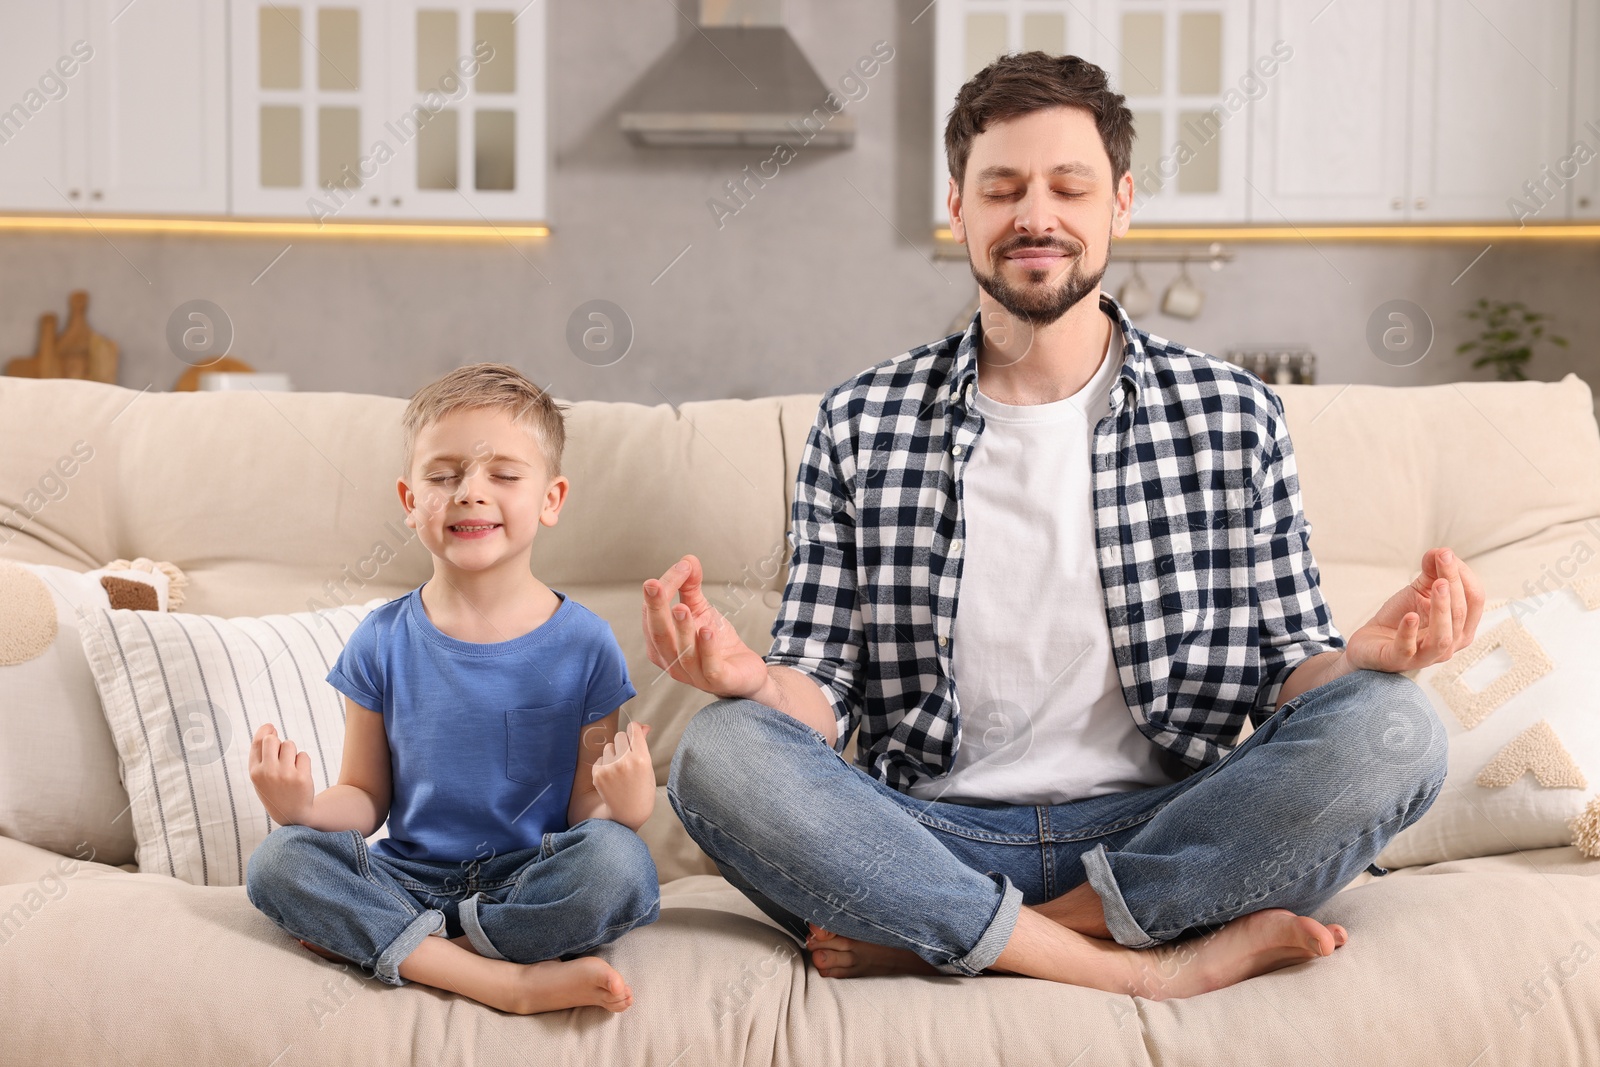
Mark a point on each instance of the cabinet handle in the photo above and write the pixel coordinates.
(97, 195)
(1583, 201)
(1422, 202)
(1397, 203)
(376, 201)
(73, 194)
(396, 201)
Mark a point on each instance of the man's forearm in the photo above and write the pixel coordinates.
(793, 693)
(1319, 669)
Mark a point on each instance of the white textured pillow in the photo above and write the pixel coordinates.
(1522, 709)
(59, 788)
(184, 694)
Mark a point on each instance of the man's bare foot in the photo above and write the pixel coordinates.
(1250, 945)
(842, 957)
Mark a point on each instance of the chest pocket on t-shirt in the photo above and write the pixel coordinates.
(542, 744)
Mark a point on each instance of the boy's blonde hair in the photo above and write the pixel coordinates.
(490, 385)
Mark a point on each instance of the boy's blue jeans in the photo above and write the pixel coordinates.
(1288, 818)
(583, 887)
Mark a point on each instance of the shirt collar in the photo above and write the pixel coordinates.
(1129, 381)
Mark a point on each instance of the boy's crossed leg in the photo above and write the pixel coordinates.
(302, 878)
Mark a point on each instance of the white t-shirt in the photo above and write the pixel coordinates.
(1043, 720)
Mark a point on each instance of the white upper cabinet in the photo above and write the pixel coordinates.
(470, 88)
(1183, 67)
(1491, 83)
(308, 103)
(1331, 131)
(404, 109)
(969, 34)
(1355, 111)
(1579, 166)
(44, 89)
(158, 140)
(113, 107)
(1413, 111)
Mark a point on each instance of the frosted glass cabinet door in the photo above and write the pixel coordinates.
(1187, 74)
(1180, 63)
(1332, 131)
(309, 106)
(157, 128)
(467, 92)
(970, 34)
(1490, 85)
(43, 124)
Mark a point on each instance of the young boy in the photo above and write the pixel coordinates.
(480, 714)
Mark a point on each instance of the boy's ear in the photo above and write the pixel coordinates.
(405, 498)
(554, 496)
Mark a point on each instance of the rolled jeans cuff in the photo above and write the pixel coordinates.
(388, 966)
(993, 941)
(468, 912)
(1119, 920)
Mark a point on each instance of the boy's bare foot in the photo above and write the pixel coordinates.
(843, 957)
(1250, 945)
(555, 984)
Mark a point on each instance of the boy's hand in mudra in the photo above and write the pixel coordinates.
(625, 778)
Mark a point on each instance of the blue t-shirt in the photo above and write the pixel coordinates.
(483, 738)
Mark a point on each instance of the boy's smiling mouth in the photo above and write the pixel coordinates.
(473, 529)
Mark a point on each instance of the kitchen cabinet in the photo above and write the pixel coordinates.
(1356, 111)
(1414, 111)
(113, 107)
(1579, 166)
(405, 109)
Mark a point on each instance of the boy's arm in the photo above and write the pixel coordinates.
(360, 799)
(626, 787)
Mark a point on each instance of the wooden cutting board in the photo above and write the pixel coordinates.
(75, 352)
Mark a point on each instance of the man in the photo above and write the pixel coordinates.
(1049, 781)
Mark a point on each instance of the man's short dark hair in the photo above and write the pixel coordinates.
(1032, 81)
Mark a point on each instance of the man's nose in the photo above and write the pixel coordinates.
(1033, 215)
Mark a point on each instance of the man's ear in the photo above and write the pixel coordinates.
(1122, 207)
(958, 226)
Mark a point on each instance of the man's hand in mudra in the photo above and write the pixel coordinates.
(1428, 621)
(692, 641)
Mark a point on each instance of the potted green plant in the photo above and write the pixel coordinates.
(1507, 334)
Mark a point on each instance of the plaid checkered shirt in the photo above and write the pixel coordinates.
(1211, 593)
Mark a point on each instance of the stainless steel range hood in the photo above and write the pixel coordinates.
(739, 79)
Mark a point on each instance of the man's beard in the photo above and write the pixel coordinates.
(1038, 304)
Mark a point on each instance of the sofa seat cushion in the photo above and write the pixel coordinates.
(1443, 964)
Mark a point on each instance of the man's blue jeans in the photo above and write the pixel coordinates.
(1292, 815)
(583, 887)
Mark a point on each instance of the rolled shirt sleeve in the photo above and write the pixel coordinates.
(818, 629)
(1295, 621)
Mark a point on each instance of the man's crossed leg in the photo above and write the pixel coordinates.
(1095, 893)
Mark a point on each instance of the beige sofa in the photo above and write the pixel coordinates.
(262, 499)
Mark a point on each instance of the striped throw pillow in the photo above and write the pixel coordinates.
(184, 695)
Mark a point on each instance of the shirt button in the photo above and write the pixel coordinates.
(955, 450)
(943, 640)
(955, 546)
(969, 394)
